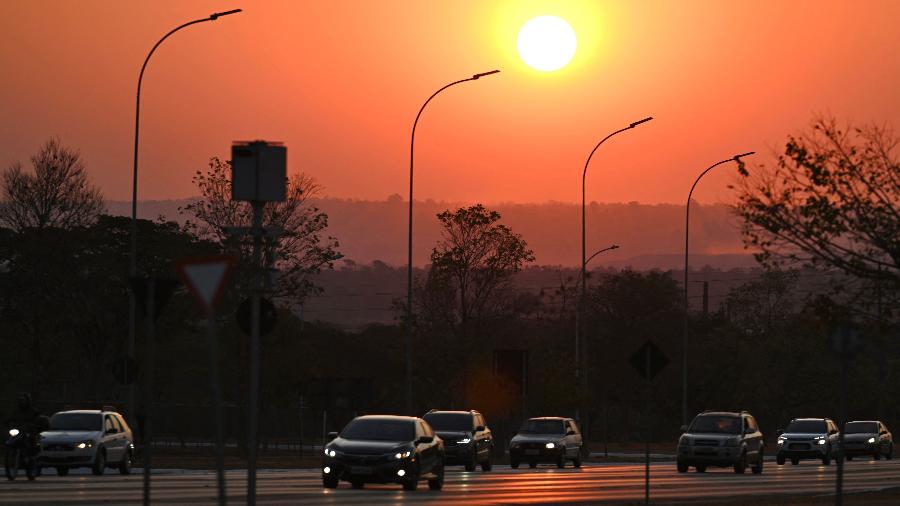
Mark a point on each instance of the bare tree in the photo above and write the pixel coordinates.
(57, 194)
(301, 251)
(832, 200)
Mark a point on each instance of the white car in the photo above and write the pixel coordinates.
(87, 438)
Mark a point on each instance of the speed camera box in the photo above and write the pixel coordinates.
(258, 171)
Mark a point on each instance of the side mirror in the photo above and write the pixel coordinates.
(684, 428)
(424, 440)
(112, 430)
(779, 432)
(832, 432)
(332, 435)
(570, 432)
(749, 430)
(480, 428)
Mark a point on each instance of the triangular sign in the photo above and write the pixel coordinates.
(205, 277)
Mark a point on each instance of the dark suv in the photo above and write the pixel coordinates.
(467, 438)
(723, 439)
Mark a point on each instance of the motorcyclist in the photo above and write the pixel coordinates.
(25, 417)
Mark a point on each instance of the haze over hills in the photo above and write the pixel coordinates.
(649, 235)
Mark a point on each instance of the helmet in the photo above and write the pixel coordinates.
(25, 401)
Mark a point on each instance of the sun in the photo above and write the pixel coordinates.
(547, 43)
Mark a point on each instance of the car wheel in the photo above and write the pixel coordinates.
(577, 461)
(877, 456)
(125, 465)
(32, 469)
(357, 484)
(741, 465)
(487, 465)
(532, 464)
(99, 466)
(561, 461)
(513, 464)
(411, 485)
(682, 467)
(437, 482)
(826, 460)
(795, 461)
(701, 469)
(779, 459)
(330, 482)
(62, 471)
(758, 466)
(470, 465)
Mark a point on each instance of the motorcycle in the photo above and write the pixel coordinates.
(22, 451)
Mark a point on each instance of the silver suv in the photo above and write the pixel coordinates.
(807, 438)
(723, 439)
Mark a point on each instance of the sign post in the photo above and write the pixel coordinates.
(205, 277)
(648, 361)
(258, 176)
(845, 341)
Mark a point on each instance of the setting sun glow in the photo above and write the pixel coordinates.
(547, 43)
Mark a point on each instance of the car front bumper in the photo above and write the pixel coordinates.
(458, 454)
(709, 455)
(861, 448)
(536, 454)
(809, 450)
(369, 472)
(67, 458)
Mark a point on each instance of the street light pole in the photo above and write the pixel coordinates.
(579, 377)
(132, 268)
(409, 266)
(684, 342)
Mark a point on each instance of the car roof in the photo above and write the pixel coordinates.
(83, 411)
(397, 418)
(864, 421)
(722, 413)
(561, 419)
(810, 419)
(433, 411)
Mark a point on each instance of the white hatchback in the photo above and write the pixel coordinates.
(87, 438)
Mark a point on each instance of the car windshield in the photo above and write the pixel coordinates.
(861, 428)
(543, 427)
(76, 421)
(716, 424)
(807, 427)
(450, 421)
(380, 430)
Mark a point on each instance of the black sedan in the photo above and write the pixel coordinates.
(385, 449)
(869, 438)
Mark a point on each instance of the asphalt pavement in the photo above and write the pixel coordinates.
(592, 484)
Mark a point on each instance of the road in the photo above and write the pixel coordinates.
(593, 484)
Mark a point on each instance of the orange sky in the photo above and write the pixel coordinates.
(341, 81)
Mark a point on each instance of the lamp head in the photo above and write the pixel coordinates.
(738, 157)
(216, 15)
(476, 76)
(636, 123)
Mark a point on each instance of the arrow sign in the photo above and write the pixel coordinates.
(205, 277)
(649, 360)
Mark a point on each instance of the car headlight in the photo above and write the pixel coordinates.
(84, 444)
(550, 446)
(821, 441)
(329, 452)
(684, 441)
(781, 440)
(402, 455)
(871, 440)
(464, 441)
(13, 432)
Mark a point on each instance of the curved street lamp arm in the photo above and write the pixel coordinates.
(137, 118)
(614, 246)
(409, 267)
(687, 224)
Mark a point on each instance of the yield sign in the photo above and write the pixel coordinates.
(205, 277)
